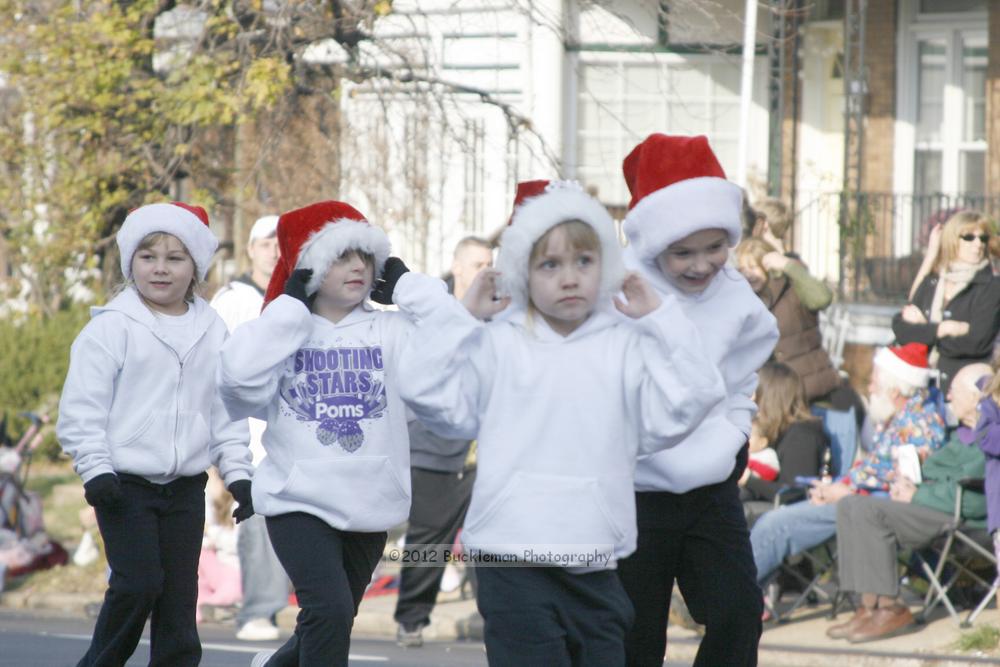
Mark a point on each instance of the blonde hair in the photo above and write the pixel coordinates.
(754, 248)
(963, 222)
(781, 400)
(579, 236)
(993, 386)
(147, 242)
(777, 215)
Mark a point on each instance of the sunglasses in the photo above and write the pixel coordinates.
(985, 238)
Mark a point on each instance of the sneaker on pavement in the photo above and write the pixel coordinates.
(261, 658)
(410, 636)
(258, 630)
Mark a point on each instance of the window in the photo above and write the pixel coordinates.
(620, 103)
(950, 123)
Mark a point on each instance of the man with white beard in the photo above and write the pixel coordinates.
(903, 414)
(871, 531)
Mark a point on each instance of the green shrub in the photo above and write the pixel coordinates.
(983, 638)
(34, 353)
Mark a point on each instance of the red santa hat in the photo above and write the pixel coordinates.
(906, 362)
(188, 223)
(315, 236)
(678, 188)
(538, 207)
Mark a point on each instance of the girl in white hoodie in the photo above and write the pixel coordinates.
(683, 218)
(561, 393)
(142, 420)
(319, 365)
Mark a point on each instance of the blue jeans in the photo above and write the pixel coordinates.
(265, 584)
(787, 531)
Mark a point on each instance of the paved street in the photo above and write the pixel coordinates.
(32, 639)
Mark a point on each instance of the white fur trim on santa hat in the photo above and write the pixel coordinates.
(681, 209)
(177, 221)
(899, 369)
(560, 203)
(335, 238)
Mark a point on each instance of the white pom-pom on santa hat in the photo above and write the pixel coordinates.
(906, 362)
(538, 207)
(315, 236)
(678, 188)
(187, 222)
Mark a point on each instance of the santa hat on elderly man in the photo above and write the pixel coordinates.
(538, 207)
(187, 222)
(315, 236)
(678, 187)
(907, 363)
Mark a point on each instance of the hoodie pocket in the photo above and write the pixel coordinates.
(535, 509)
(357, 493)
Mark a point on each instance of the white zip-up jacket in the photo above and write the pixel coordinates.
(336, 439)
(132, 404)
(738, 335)
(558, 420)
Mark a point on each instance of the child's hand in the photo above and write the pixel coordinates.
(104, 491)
(295, 286)
(481, 299)
(384, 286)
(642, 298)
(241, 493)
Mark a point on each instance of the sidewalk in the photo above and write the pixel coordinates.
(799, 642)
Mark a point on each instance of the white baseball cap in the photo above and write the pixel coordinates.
(264, 227)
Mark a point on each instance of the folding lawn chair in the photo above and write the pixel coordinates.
(841, 427)
(964, 543)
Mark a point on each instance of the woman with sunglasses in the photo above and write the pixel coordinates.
(955, 307)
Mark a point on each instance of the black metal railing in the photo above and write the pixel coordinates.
(871, 244)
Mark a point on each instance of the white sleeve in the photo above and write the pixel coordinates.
(444, 367)
(749, 352)
(253, 356)
(670, 381)
(230, 448)
(85, 404)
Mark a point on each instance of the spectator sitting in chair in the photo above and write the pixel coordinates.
(902, 414)
(871, 531)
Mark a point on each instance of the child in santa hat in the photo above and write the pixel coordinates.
(319, 366)
(561, 393)
(142, 420)
(683, 218)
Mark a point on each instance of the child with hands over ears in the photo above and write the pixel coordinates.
(320, 366)
(142, 421)
(562, 393)
(683, 218)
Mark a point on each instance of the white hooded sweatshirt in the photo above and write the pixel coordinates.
(558, 420)
(336, 439)
(132, 404)
(738, 334)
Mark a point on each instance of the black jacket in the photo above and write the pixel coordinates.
(978, 304)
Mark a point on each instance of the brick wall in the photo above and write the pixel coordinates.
(993, 103)
(880, 60)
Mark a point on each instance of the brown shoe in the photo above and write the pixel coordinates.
(885, 622)
(844, 630)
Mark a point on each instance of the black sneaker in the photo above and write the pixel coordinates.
(410, 636)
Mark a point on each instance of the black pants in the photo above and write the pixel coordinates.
(152, 543)
(548, 617)
(699, 538)
(330, 570)
(440, 500)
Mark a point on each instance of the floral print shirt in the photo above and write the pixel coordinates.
(919, 423)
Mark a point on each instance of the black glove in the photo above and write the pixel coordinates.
(104, 491)
(384, 286)
(295, 286)
(241, 492)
